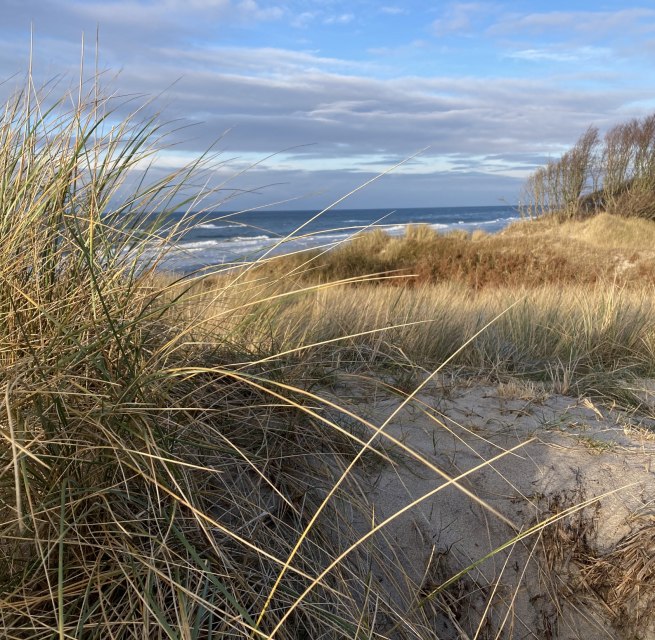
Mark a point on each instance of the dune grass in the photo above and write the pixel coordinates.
(527, 254)
(147, 491)
(580, 294)
(170, 466)
(155, 485)
(578, 339)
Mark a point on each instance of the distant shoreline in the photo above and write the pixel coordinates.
(227, 237)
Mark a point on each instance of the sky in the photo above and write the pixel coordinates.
(308, 100)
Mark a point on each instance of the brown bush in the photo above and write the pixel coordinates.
(527, 255)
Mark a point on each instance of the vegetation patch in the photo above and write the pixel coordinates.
(180, 458)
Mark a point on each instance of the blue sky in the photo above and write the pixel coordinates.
(341, 90)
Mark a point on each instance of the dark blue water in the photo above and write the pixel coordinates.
(227, 238)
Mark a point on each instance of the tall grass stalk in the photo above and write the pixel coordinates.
(597, 330)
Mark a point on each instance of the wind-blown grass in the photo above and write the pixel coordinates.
(170, 467)
(147, 491)
(528, 254)
(153, 486)
(580, 339)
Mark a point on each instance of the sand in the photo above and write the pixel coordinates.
(589, 574)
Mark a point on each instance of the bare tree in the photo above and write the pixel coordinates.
(644, 159)
(618, 156)
(533, 196)
(616, 173)
(577, 170)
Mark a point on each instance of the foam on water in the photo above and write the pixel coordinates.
(209, 225)
(273, 232)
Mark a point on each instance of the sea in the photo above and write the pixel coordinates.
(224, 239)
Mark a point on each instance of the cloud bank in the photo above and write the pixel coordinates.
(338, 91)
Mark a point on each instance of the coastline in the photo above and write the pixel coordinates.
(236, 238)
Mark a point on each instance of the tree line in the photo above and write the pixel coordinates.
(614, 173)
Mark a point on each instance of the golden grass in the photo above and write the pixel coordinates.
(528, 254)
(170, 466)
(148, 488)
(579, 334)
(603, 230)
(623, 577)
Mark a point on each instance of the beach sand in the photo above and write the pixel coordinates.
(590, 574)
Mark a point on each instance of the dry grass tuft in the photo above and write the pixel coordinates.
(150, 486)
(625, 579)
(620, 581)
(601, 249)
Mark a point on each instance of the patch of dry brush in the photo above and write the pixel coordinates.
(598, 250)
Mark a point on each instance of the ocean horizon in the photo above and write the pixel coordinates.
(232, 238)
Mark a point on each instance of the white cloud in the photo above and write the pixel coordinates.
(132, 13)
(359, 114)
(393, 10)
(257, 61)
(596, 23)
(355, 115)
(460, 17)
(562, 55)
(197, 4)
(304, 19)
(251, 10)
(171, 12)
(541, 54)
(343, 18)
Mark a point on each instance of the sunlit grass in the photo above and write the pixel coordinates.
(151, 486)
(173, 465)
(601, 330)
(528, 254)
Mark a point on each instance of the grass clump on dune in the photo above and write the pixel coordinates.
(148, 488)
(575, 338)
(579, 297)
(169, 469)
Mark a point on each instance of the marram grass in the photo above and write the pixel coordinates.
(169, 469)
(151, 486)
(146, 490)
